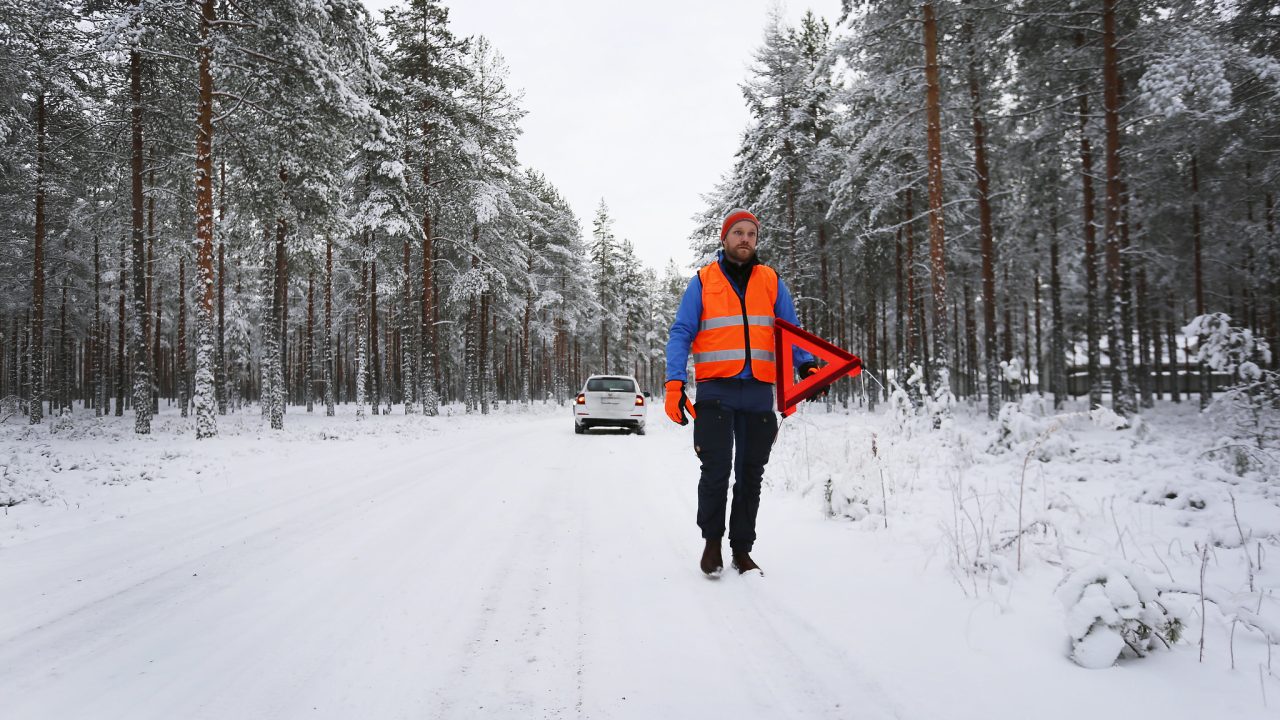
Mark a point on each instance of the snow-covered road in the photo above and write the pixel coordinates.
(503, 567)
(532, 573)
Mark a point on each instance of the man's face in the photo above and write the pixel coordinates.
(740, 243)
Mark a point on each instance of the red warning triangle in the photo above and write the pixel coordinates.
(839, 364)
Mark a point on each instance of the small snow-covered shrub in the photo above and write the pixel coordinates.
(62, 422)
(11, 406)
(1113, 609)
(1019, 422)
(915, 406)
(1248, 410)
(900, 404)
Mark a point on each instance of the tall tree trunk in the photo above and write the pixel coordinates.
(220, 354)
(1206, 394)
(900, 314)
(471, 380)
(152, 339)
(121, 336)
(428, 374)
(328, 328)
(362, 343)
(870, 322)
(1058, 341)
(1144, 340)
(141, 331)
(36, 406)
(987, 234)
(1123, 399)
(62, 395)
(526, 371)
(279, 298)
(971, 332)
(1008, 329)
(910, 269)
(184, 398)
(375, 358)
(408, 366)
(1175, 393)
(1092, 330)
(204, 401)
(937, 250)
(309, 347)
(95, 339)
(824, 285)
(485, 363)
(1038, 355)
(157, 360)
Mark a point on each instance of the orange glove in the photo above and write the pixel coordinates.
(678, 403)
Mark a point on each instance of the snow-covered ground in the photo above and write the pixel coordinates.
(501, 566)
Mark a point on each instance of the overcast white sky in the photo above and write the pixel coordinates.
(635, 102)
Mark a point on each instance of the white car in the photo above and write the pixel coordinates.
(610, 401)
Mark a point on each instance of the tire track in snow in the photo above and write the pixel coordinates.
(779, 660)
(514, 639)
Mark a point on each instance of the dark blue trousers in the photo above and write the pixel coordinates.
(732, 412)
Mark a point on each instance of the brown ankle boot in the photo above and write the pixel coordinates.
(712, 561)
(743, 563)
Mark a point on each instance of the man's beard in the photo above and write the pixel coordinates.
(732, 254)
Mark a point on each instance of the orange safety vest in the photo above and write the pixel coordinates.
(733, 328)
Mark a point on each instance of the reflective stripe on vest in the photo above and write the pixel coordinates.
(739, 355)
(734, 320)
(732, 324)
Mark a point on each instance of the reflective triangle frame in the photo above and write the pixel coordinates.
(839, 364)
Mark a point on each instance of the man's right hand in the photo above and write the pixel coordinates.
(678, 403)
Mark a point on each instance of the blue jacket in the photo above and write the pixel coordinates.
(685, 327)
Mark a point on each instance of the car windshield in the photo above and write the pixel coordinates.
(610, 385)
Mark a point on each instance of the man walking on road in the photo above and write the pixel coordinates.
(726, 318)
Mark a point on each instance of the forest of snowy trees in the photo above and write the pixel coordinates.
(1002, 193)
(212, 203)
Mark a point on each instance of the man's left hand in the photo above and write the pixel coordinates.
(805, 371)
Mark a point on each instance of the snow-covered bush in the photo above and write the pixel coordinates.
(915, 401)
(1249, 409)
(11, 406)
(900, 405)
(1011, 371)
(1113, 609)
(1015, 425)
(62, 422)
(939, 407)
